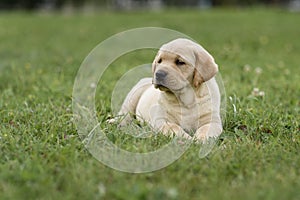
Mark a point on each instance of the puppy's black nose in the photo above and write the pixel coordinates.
(160, 75)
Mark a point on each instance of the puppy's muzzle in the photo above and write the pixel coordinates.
(160, 79)
(160, 75)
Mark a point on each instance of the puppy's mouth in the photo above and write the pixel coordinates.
(161, 87)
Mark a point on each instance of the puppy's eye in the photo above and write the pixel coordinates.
(179, 62)
(159, 61)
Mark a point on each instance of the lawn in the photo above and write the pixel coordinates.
(257, 156)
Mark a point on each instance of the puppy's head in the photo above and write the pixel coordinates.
(180, 63)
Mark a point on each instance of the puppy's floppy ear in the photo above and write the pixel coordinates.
(205, 67)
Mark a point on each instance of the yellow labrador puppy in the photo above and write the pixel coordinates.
(182, 98)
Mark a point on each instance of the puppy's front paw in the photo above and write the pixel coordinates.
(201, 134)
(207, 131)
(174, 130)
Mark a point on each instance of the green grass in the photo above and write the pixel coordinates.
(257, 156)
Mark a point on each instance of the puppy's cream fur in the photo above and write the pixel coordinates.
(182, 97)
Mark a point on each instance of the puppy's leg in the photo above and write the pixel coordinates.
(128, 107)
(211, 130)
(171, 128)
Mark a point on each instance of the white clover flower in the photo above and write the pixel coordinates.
(261, 93)
(93, 85)
(172, 193)
(247, 68)
(257, 93)
(258, 70)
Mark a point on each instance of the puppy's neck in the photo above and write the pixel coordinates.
(184, 97)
